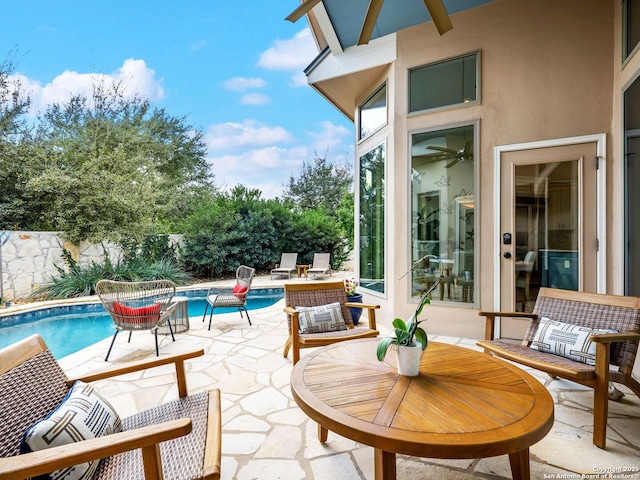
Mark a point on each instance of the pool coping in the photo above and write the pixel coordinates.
(259, 281)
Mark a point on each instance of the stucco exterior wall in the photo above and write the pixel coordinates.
(546, 73)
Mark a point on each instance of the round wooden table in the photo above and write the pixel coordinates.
(464, 404)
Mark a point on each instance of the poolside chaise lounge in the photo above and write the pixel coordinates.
(321, 265)
(287, 265)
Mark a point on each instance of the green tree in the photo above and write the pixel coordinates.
(345, 219)
(319, 184)
(13, 102)
(112, 167)
(14, 209)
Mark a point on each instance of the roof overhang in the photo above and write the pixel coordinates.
(341, 78)
(344, 70)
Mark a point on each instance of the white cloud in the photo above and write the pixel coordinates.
(290, 55)
(331, 138)
(255, 99)
(267, 169)
(134, 75)
(243, 83)
(250, 133)
(139, 78)
(254, 156)
(299, 80)
(198, 45)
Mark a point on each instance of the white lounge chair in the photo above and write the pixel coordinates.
(287, 265)
(321, 265)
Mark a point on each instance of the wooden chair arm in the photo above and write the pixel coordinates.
(147, 438)
(177, 359)
(213, 444)
(371, 313)
(490, 320)
(615, 337)
(290, 310)
(533, 316)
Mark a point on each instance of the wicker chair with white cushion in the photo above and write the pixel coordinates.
(43, 408)
(588, 338)
(314, 319)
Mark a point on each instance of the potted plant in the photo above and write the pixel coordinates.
(350, 288)
(409, 338)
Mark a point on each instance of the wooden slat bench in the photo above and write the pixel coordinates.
(615, 353)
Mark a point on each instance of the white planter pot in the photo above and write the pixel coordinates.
(408, 359)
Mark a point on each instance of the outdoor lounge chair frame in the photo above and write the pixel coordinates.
(136, 297)
(154, 443)
(287, 266)
(217, 299)
(591, 310)
(311, 294)
(321, 265)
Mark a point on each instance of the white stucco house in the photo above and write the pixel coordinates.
(498, 155)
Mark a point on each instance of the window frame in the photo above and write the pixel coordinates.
(627, 53)
(475, 123)
(386, 117)
(478, 76)
(380, 293)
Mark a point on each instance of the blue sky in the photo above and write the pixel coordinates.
(233, 68)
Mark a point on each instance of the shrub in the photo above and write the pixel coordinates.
(78, 280)
(240, 229)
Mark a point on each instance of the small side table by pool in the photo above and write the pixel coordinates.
(302, 270)
(180, 318)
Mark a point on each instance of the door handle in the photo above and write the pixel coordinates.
(506, 254)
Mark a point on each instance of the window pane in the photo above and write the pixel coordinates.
(632, 188)
(631, 9)
(373, 113)
(451, 82)
(372, 219)
(443, 213)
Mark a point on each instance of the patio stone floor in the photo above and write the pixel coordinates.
(266, 436)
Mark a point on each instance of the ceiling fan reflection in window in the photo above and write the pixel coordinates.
(454, 156)
(436, 9)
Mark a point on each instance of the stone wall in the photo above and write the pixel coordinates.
(29, 259)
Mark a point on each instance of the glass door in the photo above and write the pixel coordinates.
(548, 224)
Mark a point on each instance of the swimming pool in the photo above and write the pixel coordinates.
(69, 328)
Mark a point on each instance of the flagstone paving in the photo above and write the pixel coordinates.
(266, 436)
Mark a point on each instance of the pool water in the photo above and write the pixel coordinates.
(68, 329)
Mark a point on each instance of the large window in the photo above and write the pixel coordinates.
(630, 25)
(371, 196)
(373, 113)
(632, 188)
(443, 201)
(443, 84)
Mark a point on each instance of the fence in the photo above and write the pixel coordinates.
(29, 259)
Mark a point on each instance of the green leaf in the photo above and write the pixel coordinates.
(421, 336)
(399, 324)
(383, 346)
